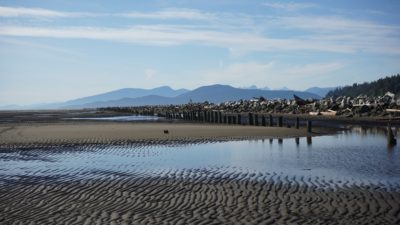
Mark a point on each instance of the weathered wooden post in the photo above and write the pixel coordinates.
(251, 122)
(239, 118)
(390, 137)
(263, 121)
(220, 116)
(229, 119)
(280, 141)
(297, 140)
(233, 119)
(297, 124)
(309, 126)
(271, 120)
(280, 121)
(225, 119)
(256, 119)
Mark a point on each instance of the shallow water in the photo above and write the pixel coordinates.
(123, 118)
(358, 156)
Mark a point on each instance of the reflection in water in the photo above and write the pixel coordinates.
(348, 157)
(391, 140)
(123, 118)
(309, 140)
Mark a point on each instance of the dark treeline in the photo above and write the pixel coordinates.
(372, 89)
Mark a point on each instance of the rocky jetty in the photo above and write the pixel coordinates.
(342, 106)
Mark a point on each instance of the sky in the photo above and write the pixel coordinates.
(57, 50)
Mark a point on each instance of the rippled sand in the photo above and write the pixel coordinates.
(192, 197)
(98, 132)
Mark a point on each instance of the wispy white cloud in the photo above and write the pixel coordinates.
(289, 6)
(240, 33)
(38, 12)
(175, 35)
(335, 24)
(171, 13)
(28, 44)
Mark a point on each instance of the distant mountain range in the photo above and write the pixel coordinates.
(320, 91)
(124, 93)
(165, 95)
(213, 93)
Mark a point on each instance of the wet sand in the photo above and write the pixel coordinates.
(192, 198)
(176, 197)
(108, 132)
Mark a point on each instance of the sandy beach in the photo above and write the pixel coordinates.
(106, 132)
(122, 193)
(193, 199)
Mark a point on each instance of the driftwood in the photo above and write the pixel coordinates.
(329, 113)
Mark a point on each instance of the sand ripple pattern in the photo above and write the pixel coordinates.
(106, 143)
(193, 197)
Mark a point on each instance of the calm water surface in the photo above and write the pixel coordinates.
(357, 156)
(123, 118)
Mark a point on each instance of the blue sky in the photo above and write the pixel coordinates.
(55, 50)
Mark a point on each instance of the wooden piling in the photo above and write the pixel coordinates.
(280, 121)
(256, 119)
(309, 126)
(251, 122)
(297, 124)
(239, 118)
(263, 121)
(271, 121)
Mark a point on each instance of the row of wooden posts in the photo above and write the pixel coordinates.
(253, 119)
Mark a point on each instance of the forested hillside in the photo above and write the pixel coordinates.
(374, 88)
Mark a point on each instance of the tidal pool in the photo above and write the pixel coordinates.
(357, 156)
(123, 118)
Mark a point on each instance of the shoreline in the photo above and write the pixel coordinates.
(99, 132)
